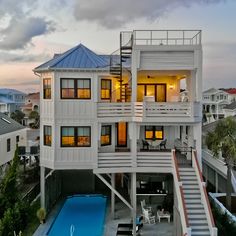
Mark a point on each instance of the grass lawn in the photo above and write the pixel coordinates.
(33, 220)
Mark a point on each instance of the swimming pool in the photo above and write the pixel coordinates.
(81, 215)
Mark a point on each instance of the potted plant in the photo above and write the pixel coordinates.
(41, 214)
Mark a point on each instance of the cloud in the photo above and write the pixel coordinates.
(6, 57)
(20, 32)
(114, 14)
(19, 24)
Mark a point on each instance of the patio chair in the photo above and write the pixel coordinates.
(148, 218)
(144, 206)
(145, 144)
(163, 144)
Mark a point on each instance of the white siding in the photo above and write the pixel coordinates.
(151, 60)
(8, 156)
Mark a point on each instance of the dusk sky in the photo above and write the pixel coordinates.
(31, 31)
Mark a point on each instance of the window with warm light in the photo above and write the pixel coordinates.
(106, 135)
(154, 132)
(105, 89)
(76, 136)
(83, 89)
(67, 88)
(46, 88)
(75, 88)
(47, 135)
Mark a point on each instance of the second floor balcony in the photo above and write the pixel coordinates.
(147, 111)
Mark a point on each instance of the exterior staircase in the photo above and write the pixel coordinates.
(195, 210)
(116, 66)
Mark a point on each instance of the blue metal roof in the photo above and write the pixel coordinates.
(75, 58)
(10, 91)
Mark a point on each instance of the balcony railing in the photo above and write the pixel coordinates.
(149, 109)
(167, 37)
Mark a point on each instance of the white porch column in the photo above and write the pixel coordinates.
(113, 196)
(133, 136)
(42, 186)
(134, 67)
(190, 141)
(197, 132)
(134, 201)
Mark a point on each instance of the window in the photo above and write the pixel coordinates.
(67, 88)
(83, 89)
(106, 135)
(76, 136)
(154, 132)
(47, 130)
(47, 88)
(8, 145)
(105, 89)
(17, 139)
(75, 89)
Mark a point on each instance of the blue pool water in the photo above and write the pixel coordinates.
(84, 215)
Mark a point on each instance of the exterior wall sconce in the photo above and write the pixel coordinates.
(171, 86)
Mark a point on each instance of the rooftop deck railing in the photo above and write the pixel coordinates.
(162, 37)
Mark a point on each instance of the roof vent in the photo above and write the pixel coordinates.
(9, 122)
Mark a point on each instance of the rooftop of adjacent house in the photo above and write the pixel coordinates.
(33, 96)
(79, 57)
(214, 91)
(6, 91)
(230, 90)
(8, 125)
(231, 106)
(5, 100)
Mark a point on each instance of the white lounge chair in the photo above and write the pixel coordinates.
(148, 218)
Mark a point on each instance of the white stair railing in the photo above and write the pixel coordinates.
(180, 197)
(204, 196)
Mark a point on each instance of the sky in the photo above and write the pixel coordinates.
(31, 31)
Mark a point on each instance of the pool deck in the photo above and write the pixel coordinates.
(122, 215)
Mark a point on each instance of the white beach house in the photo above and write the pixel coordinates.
(120, 116)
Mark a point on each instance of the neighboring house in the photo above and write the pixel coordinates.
(11, 100)
(214, 100)
(11, 133)
(230, 110)
(32, 103)
(119, 117)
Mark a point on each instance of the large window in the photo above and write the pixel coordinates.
(106, 135)
(105, 89)
(154, 132)
(47, 135)
(8, 145)
(76, 136)
(47, 88)
(75, 88)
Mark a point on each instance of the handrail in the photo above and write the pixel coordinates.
(203, 191)
(180, 197)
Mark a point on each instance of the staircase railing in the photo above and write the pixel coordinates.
(180, 197)
(204, 196)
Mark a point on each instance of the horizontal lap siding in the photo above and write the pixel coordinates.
(165, 59)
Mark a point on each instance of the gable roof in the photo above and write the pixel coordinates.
(8, 125)
(75, 58)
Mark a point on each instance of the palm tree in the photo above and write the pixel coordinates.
(223, 139)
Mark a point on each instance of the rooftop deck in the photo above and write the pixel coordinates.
(161, 37)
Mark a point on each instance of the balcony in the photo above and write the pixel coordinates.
(147, 111)
(122, 161)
